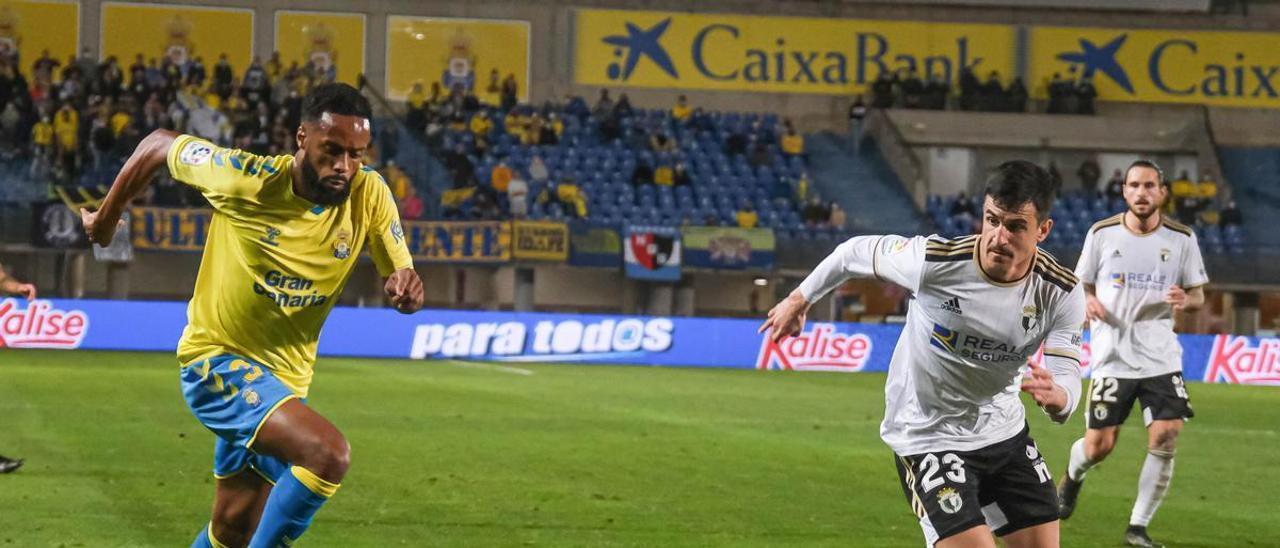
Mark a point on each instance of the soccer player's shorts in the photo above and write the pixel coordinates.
(1005, 486)
(1162, 398)
(232, 396)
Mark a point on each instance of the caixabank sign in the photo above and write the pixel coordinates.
(561, 338)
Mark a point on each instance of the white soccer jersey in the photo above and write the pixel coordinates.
(957, 369)
(1130, 274)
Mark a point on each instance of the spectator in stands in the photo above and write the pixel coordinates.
(857, 113)
(964, 205)
(792, 143)
(484, 205)
(623, 108)
(1207, 188)
(680, 175)
(935, 93)
(747, 216)
(1085, 94)
(912, 89)
(509, 93)
(42, 138)
(1186, 201)
(1115, 186)
(1089, 172)
(552, 128)
(1054, 173)
(760, 154)
(664, 175)
(223, 77)
(837, 218)
(604, 106)
(681, 111)
(815, 213)
(538, 172)
(991, 94)
(1017, 96)
(66, 129)
(481, 125)
(100, 140)
(1230, 215)
(411, 206)
(1060, 93)
(736, 143)
(643, 174)
(575, 106)
(493, 90)
(518, 196)
(801, 193)
(453, 201)
(460, 167)
(660, 142)
(882, 90)
(969, 89)
(500, 177)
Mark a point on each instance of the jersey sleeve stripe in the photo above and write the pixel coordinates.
(1175, 226)
(1109, 221)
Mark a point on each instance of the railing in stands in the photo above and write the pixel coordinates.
(413, 154)
(898, 155)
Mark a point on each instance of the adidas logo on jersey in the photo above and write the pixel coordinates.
(952, 305)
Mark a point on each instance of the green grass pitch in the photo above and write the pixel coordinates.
(459, 454)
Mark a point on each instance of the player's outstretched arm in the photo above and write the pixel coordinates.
(1184, 300)
(404, 290)
(889, 258)
(11, 286)
(151, 154)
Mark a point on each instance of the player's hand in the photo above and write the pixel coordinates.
(1093, 309)
(404, 290)
(1039, 383)
(1176, 297)
(787, 317)
(99, 232)
(27, 291)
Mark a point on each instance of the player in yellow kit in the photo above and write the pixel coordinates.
(286, 234)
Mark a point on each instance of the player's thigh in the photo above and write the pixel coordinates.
(1110, 401)
(942, 490)
(974, 537)
(297, 434)
(1019, 493)
(1044, 535)
(1164, 398)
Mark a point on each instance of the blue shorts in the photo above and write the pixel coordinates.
(232, 396)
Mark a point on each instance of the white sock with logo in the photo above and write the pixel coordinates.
(1079, 463)
(1153, 483)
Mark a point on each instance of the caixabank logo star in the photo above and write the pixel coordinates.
(636, 45)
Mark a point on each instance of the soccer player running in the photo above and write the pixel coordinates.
(1138, 268)
(983, 305)
(11, 286)
(286, 233)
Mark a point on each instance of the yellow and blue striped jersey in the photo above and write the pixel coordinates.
(274, 263)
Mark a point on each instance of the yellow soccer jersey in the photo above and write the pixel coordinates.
(274, 263)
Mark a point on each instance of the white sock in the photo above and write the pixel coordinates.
(1079, 462)
(1153, 483)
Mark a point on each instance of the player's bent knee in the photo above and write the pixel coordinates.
(233, 527)
(329, 458)
(1098, 449)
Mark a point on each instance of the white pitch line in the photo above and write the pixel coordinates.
(491, 367)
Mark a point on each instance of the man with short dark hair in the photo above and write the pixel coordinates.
(1138, 269)
(983, 305)
(285, 237)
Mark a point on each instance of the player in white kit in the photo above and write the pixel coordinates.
(982, 306)
(1137, 269)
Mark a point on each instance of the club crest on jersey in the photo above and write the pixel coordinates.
(271, 237)
(949, 500)
(1030, 317)
(1100, 411)
(342, 249)
(195, 153)
(251, 397)
(1164, 255)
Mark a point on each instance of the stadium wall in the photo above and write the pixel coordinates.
(551, 46)
(588, 339)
